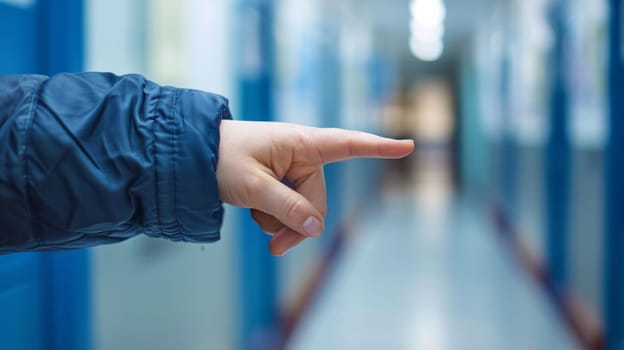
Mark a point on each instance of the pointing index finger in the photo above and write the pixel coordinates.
(339, 144)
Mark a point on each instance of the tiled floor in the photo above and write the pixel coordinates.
(424, 271)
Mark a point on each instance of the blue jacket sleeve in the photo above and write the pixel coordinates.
(96, 158)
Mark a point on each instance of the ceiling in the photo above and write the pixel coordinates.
(391, 21)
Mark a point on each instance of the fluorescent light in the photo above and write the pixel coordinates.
(426, 51)
(427, 29)
(424, 33)
(428, 12)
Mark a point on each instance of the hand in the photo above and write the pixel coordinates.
(256, 159)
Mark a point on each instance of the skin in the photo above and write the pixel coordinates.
(256, 159)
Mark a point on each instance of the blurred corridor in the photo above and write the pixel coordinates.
(423, 269)
(502, 231)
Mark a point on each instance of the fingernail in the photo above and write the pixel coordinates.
(312, 226)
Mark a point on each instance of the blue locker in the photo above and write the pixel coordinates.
(21, 321)
(19, 42)
(557, 156)
(43, 296)
(613, 280)
(21, 283)
(259, 328)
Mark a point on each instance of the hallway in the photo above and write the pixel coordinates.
(424, 270)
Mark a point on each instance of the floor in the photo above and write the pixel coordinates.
(423, 270)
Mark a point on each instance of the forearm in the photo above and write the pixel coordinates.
(96, 158)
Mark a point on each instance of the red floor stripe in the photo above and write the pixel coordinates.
(585, 324)
(291, 318)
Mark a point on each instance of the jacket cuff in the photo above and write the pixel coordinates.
(186, 148)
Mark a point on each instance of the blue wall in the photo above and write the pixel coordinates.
(43, 296)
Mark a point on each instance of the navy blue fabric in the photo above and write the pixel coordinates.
(96, 158)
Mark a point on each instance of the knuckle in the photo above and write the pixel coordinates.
(252, 185)
(323, 212)
(294, 208)
(301, 140)
(351, 147)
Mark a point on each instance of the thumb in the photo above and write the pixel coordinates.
(287, 205)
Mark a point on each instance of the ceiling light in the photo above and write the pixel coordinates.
(428, 12)
(426, 51)
(427, 29)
